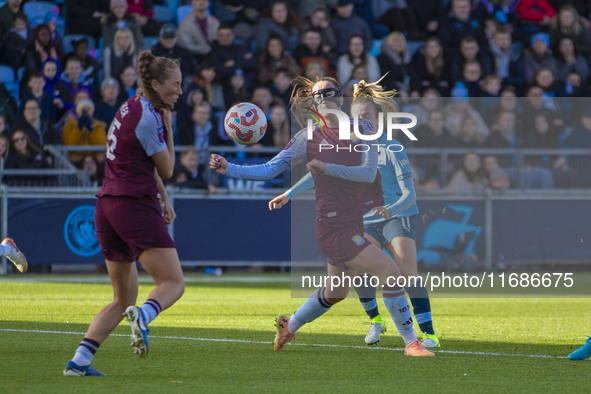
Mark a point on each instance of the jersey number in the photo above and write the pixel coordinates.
(112, 139)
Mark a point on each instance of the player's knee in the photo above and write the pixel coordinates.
(334, 300)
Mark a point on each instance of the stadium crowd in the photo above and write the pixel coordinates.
(477, 74)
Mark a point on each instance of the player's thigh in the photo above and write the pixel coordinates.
(404, 252)
(124, 278)
(373, 261)
(162, 264)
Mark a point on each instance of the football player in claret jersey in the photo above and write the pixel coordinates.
(390, 226)
(129, 222)
(347, 186)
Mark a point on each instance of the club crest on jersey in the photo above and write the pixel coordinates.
(359, 240)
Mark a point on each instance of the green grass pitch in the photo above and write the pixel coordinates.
(217, 338)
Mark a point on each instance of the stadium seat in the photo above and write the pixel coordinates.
(20, 73)
(150, 41)
(183, 11)
(69, 38)
(36, 11)
(414, 46)
(162, 13)
(375, 49)
(6, 74)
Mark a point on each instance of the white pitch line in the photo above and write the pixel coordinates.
(462, 352)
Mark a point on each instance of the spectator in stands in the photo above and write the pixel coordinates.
(72, 81)
(434, 134)
(84, 129)
(40, 49)
(71, 113)
(508, 62)
(117, 18)
(123, 52)
(282, 87)
(470, 178)
(346, 24)
(84, 16)
(396, 58)
(545, 79)
(507, 102)
(359, 73)
(310, 49)
(278, 126)
(539, 11)
(570, 23)
(51, 74)
(8, 106)
(470, 51)
(263, 99)
(399, 16)
(15, 41)
(430, 69)
(428, 14)
(4, 146)
(491, 87)
(106, 109)
(198, 30)
(199, 131)
(281, 21)
(167, 47)
(90, 67)
(25, 155)
(214, 92)
(96, 170)
(538, 102)
(502, 11)
(581, 136)
(357, 55)
(236, 91)
(471, 78)
(430, 101)
(572, 86)
(504, 133)
(50, 20)
(570, 61)
(315, 69)
(7, 13)
(35, 90)
(458, 108)
(539, 56)
(319, 20)
(194, 174)
(544, 135)
(143, 12)
(273, 58)
(498, 178)
(469, 134)
(127, 79)
(40, 131)
(229, 57)
(459, 25)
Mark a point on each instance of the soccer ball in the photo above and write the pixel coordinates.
(245, 123)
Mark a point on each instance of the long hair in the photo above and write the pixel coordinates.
(580, 24)
(152, 68)
(301, 97)
(375, 93)
(363, 56)
(117, 50)
(434, 65)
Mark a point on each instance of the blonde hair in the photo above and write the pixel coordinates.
(117, 50)
(394, 34)
(375, 93)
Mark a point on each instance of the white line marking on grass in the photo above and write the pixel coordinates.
(461, 352)
(147, 279)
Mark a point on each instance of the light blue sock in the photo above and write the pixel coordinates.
(314, 307)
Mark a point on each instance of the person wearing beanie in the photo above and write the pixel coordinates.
(539, 56)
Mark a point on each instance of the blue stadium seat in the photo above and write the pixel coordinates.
(150, 41)
(6, 74)
(162, 13)
(36, 11)
(20, 73)
(183, 11)
(414, 46)
(375, 49)
(68, 38)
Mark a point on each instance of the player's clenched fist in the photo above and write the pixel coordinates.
(218, 163)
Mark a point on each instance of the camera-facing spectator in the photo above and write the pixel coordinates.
(310, 49)
(190, 174)
(84, 129)
(508, 62)
(281, 21)
(539, 56)
(346, 24)
(315, 69)
(123, 52)
(40, 49)
(198, 131)
(72, 81)
(357, 55)
(273, 58)
(279, 126)
(396, 58)
(168, 47)
(570, 24)
(471, 78)
(236, 90)
(117, 18)
(214, 92)
(25, 155)
(430, 69)
(127, 79)
(570, 61)
(470, 50)
(498, 178)
(106, 109)
(90, 67)
(229, 57)
(470, 178)
(458, 25)
(469, 134)
(282, 88)
(319, 20)
(40, 131)
(35, 90)
(198, 30)
(96, 170)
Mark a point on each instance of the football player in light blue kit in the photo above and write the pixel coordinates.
(391, 226)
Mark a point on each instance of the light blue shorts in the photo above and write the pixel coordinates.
(385, 232)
